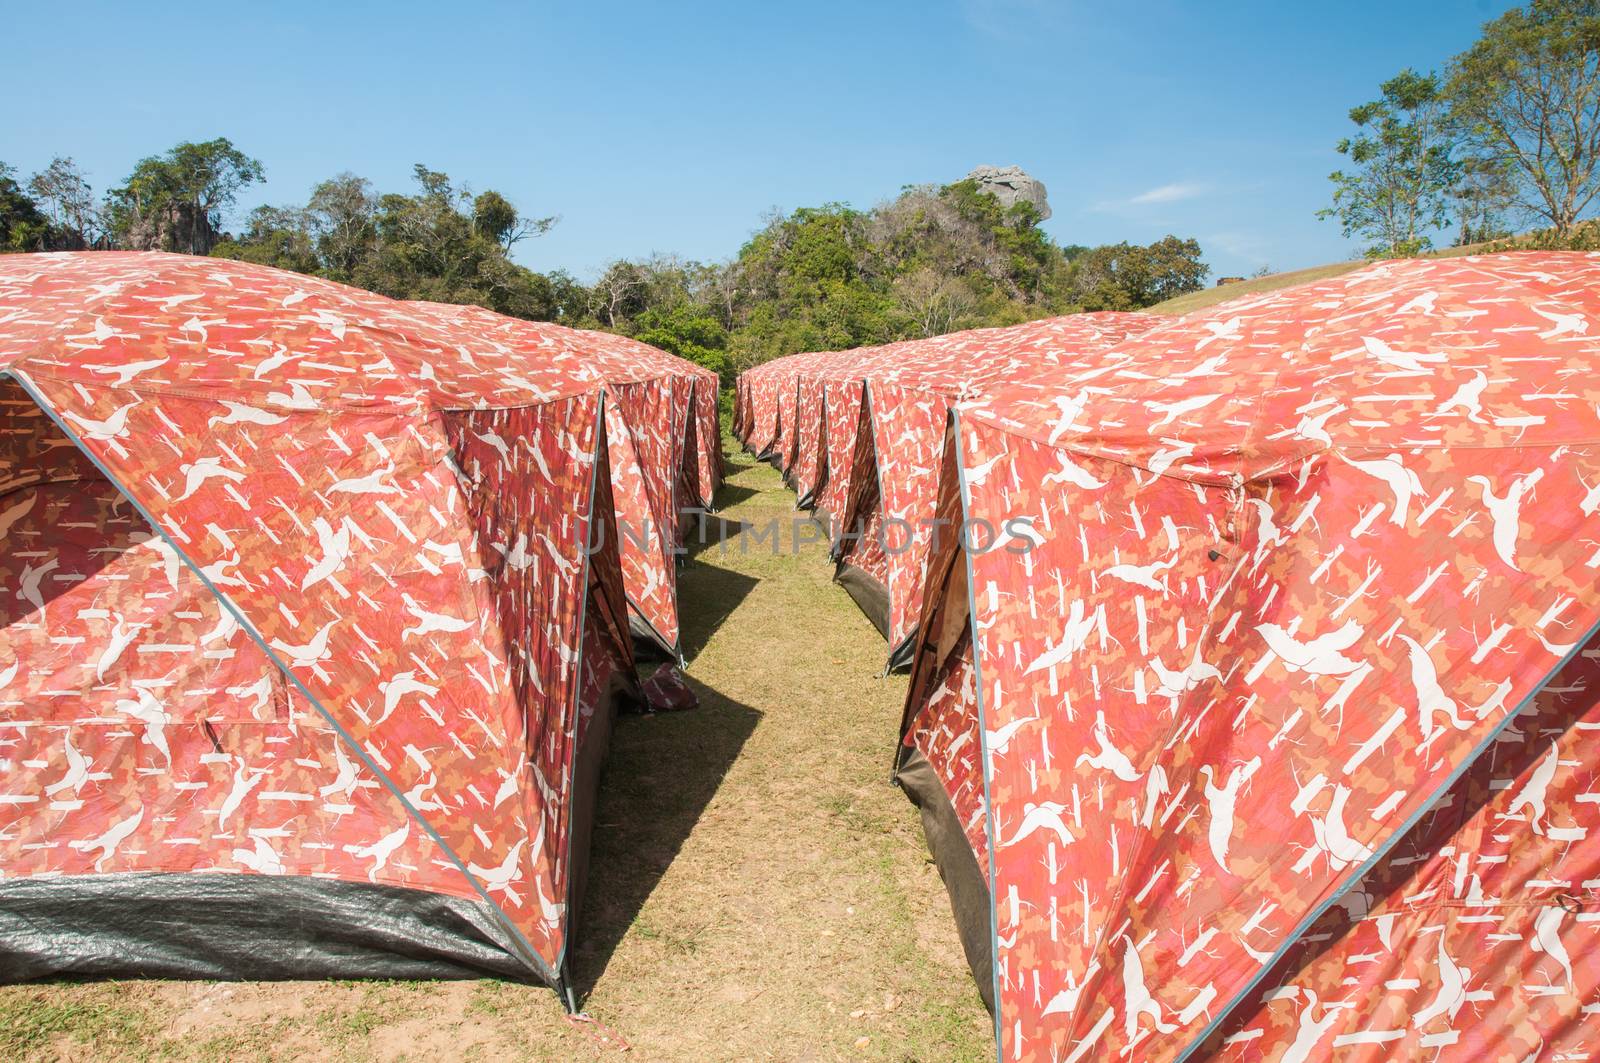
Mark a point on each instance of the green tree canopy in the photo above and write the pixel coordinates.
(1403, 175)
(1528, 96)
(176, 201)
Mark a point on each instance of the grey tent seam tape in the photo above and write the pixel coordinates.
(1380, 851)
(983, 745)
(600, 455)
(532, 958)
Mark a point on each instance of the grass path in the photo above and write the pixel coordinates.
(758, 889)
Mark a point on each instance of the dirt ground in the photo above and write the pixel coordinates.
(759, 891)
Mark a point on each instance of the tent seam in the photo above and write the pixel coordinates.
(249, 627)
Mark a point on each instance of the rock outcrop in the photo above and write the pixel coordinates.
(1009, 184)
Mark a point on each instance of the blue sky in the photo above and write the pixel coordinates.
(675, 127)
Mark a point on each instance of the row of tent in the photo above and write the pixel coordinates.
(1250, 713)
(315, 611)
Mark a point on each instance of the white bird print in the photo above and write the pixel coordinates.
(78, 769)
(335, 546)
(1322, 655)
(148, 711)
(1431, 698)
(1547, 939)
(1175, 684)
(9, 674)
(1506, 512)
(1310, 1031)
(1333, 838)
(244, 780)
(261, 690)
(1080, 623)
(495, 441)
(1070, 408)
(1000, 738)
(349, 772)
(499, 879)
(1401, 481)
(1422, 304)
(125, 374)
(1222, 801)
(567, 568)
(122, 635)
(1143, 575)
(1072, 473)
(380, 851)
(1171, 411)
(1562, 324)
(1109, 757)
(1401, 360)
(108, 842)
(428, 622)
(310, 653)
(1532, 794)
(1225, 330)
(1452, 989)
(15, 513)
(298, 397)
(1314, 426)
(508, 788)
(171, 564)
(548, 911)
(202, 470)
(1468, 398)
(272, 361)
(113, 427)
(517, 558)
(1046, 815)
(263, 859)
(370, 484)
(1137, 999)
(30, 577)
(402, 684)
(977, 474)
(239, 413)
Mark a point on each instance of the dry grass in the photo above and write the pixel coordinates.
(759, 890)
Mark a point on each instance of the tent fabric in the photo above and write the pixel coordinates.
(1268, 723)
(298, 585)
(652, 447)
(889, 494)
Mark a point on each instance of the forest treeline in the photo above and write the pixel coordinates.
(1505, 138)
(933, 259)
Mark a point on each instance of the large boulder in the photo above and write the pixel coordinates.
(1009, 184)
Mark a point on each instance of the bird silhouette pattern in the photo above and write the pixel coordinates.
(396, 499)
(1273, 711)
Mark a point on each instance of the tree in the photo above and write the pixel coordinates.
(66, 199)
(1484, 193)
(341, 215)
(1404, 172)
(1528, 95)
(176, 201)
(23, 227)
(1129, 277)
(935, 304)
(497, 219)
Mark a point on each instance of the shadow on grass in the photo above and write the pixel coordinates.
(715, 590)
(661, 773)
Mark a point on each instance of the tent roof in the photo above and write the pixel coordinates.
(1399, 354)
(229, 330)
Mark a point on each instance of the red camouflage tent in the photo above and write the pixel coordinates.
(885, 437)
(667, 410)
(299, 634)
(1266, 735)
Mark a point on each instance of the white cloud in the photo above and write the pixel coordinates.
(1169, 193)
